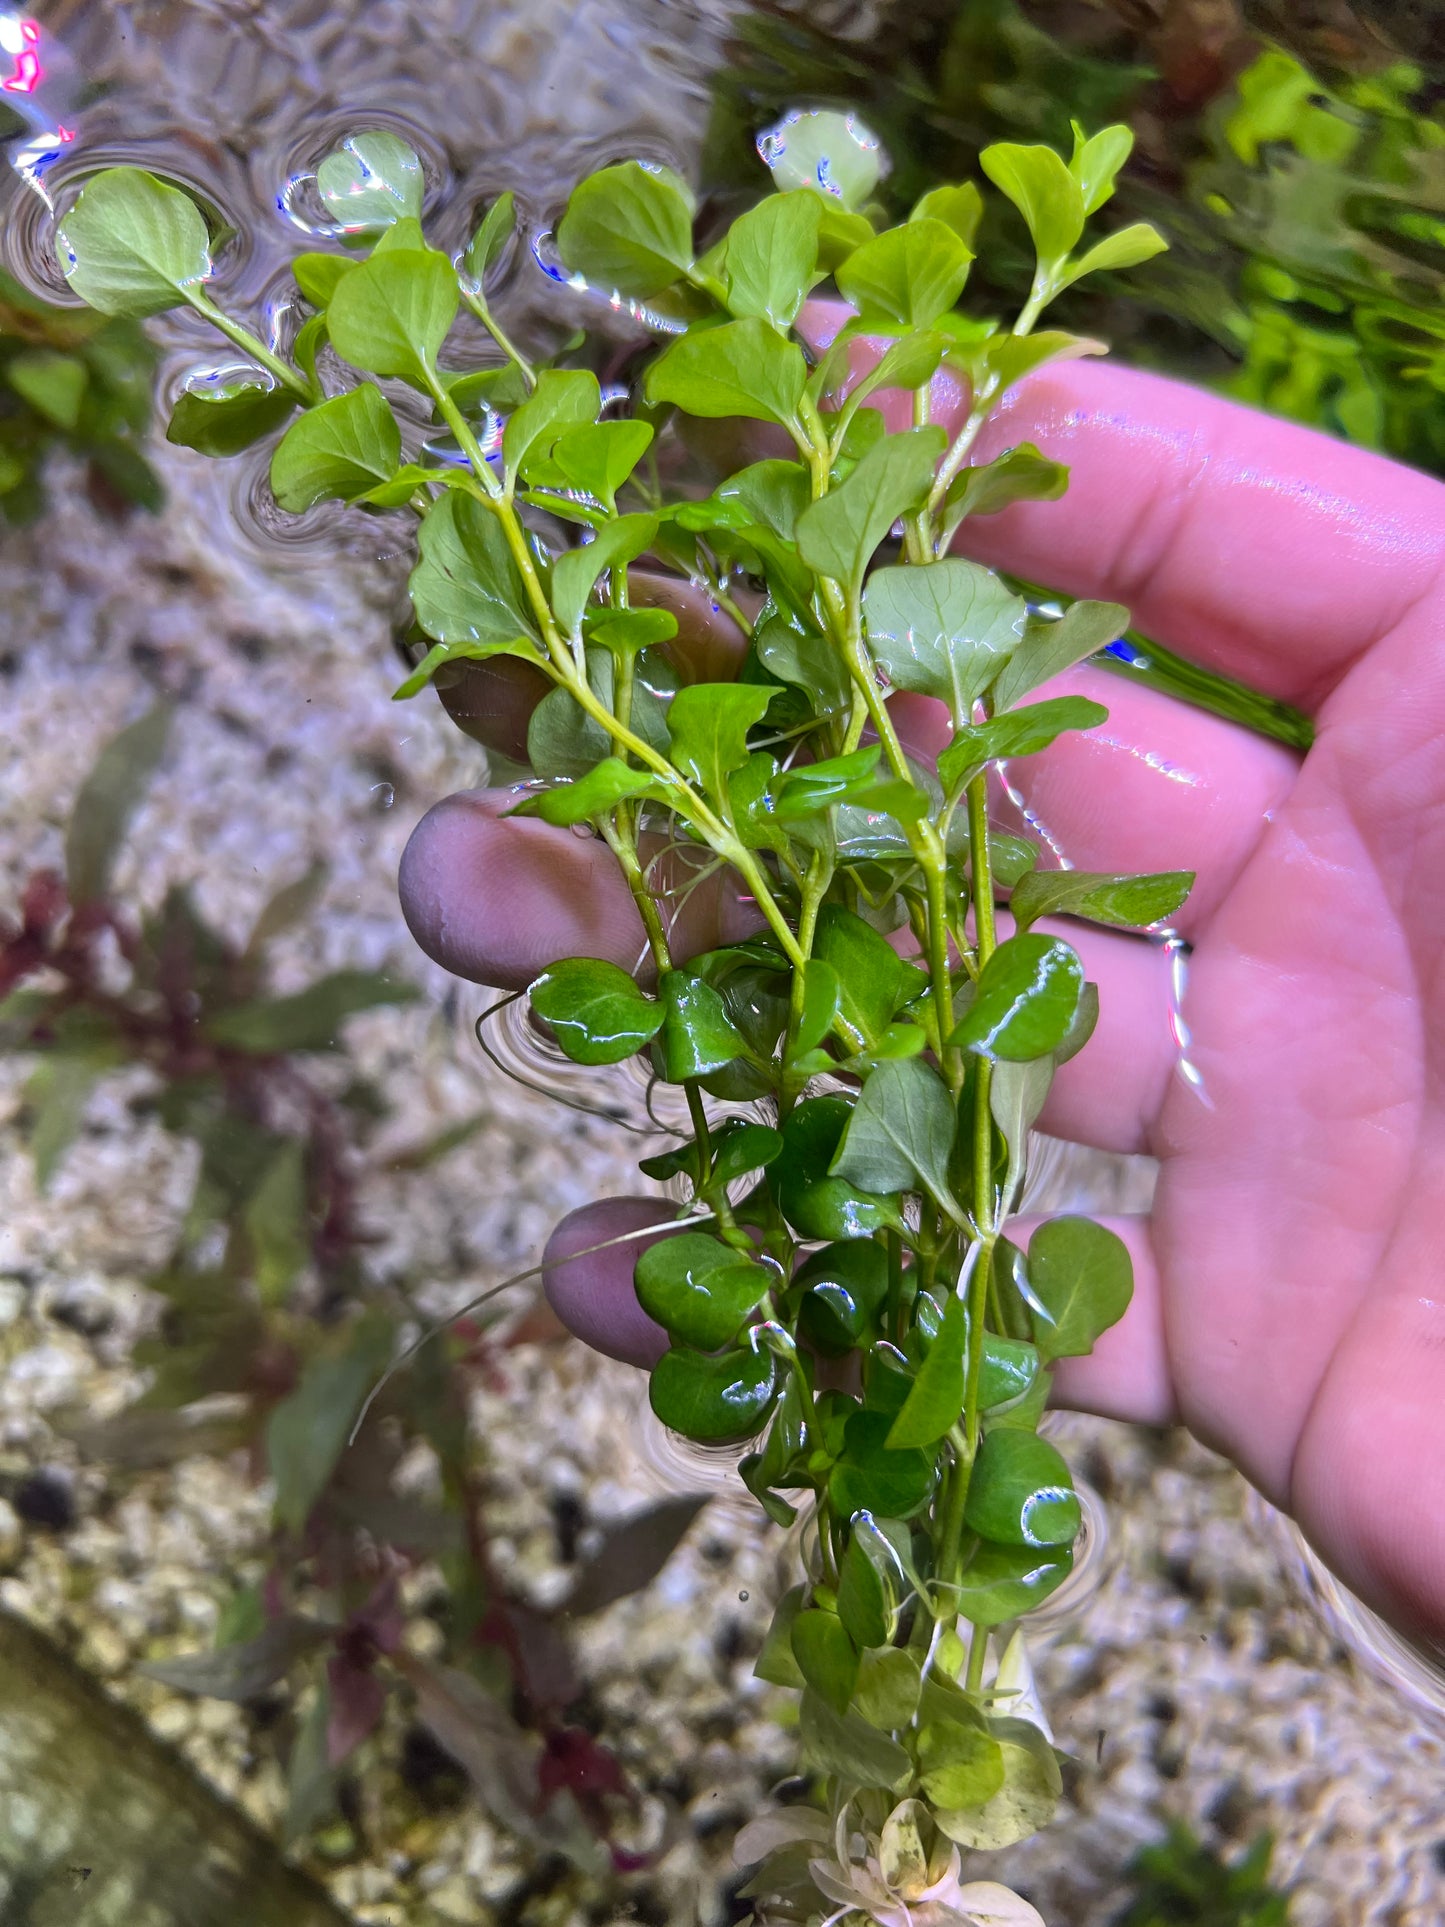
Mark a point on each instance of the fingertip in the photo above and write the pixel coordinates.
(591, 1290)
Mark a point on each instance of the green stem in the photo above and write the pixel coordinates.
(249, 344)
(484, 314)
(977, 1653)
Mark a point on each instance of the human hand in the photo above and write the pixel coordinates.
(1290, 1290)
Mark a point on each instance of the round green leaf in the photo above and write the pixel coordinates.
(133, 245)
(628, 229)
(54, 384)
(225, 418)
(959, 1765)
(1027, 997)
(744, 368)
(815, 1204)
(832, 153)
(1010, 1367)
(596, 1011)
(1043, 190)
(864, 1602)
(1082, 1274)
(826, 1656)
(699, 1289)
(369, 181)
(844, 1286)
(337, 450)
(910, 274)
(872, 1478)
(713, 1400)
(1004, 1582)
(1020, 1492)
(1025, 1801)
(392, 314)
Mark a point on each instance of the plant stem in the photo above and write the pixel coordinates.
(484, 314)
(249, 344)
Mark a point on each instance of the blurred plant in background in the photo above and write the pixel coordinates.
(275, 1335)
(74, 381)
(1299, 180)
(1179, 1882)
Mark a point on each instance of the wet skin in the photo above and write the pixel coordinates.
(1290, 1298)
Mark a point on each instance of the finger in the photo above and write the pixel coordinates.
(1249, 544)
(497, 899)
(1159, 786)
(593, 1293)
(1126, 1375)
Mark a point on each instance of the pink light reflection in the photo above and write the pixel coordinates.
(28, 72)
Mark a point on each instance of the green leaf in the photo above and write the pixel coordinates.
(108, 799)
(826, 1656)
(1020, 474)
(900, 1136)
(1043, 190)
(1096, 162)
(889, 1684)
(466, 586)
(337, 450)
(698, 1037)
(833, 154)
(56, 1093)
(872, 1477)
(735, 1149)
(910, 274)
(775, 1663)
(807, 661)
(309, 342)
(595, 1010)
(849, 1749)
(370, 181)
(1083, 1276)
(309, 1020)
(1011, 1367)
(699, 1289)
(1125, 902)
(1127, 248)
(391, 316)
(442, 653)
(1026, 997)
(960, 1764)
(1020, 1492)
(1024, 1803)
(838, 534)
(943, 631)
(874, 977)
(307, 1432)
(864, 1604)
(1049, 648)
(1002, 360)
(628, 229)
(596, 794)
(843, 1287)
(575, 574)
(960, 208)
(714, 1400)
(743, 368)
(52, 383)
(909, 363)
(601, 456)
(936, 1400)
(318, 275)
(564, 399)
(132, 245)
(623, 632)
(276, 1223)
(709, 722)
(769, 259)
(822, 1000)
(810, 787)
(486, 245)
(813, 1202)
(1005, 1582)
(225, 418)
(1018, 732)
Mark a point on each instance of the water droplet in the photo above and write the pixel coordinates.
(385, 794)
(743, 1596)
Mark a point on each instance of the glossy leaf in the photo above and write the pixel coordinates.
(596, 794)
(1020, 474)
(623, 632)
(392, 315)
(336, 451)
(1096, 161)
(369, 181)
(873, 1477)
(960, 1764)
(735, 1149)
(1002, 1582)
(806, 660)
(874, 978)
(1020, 1493)
(1082, 1274)
(864, 1604)
(1002, 360)
(133, 245)
(595, 1010)
(1049, 648)
(1126, 902)
(485, 248)
(936, 1400)
(843, 1289)
(826, 1656)
(908, 364)
(600, 457)
(910, 274)
(442, 653)
(709, 724)
(1043, 190)
(822, 1000)
(466, 586)
(628, 229)
(1017, 732)
(944, 631)
(848, 1748)
(713, 1400)
(815, 1203)
(900, 1136)
(574, 575)
(699, 1289)
(810, 787)
(768, 262)
(745, 368)
(1024, 1803)
(564, 399)
(838, 534)
(108, 799)
(832, 153)
(224, 420)
(960, 208)
(1026, 999)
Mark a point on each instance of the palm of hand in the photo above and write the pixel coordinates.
(1290, 1302)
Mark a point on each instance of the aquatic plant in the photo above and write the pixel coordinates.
(838, 1289)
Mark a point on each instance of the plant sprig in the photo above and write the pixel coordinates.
(860, 1199)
